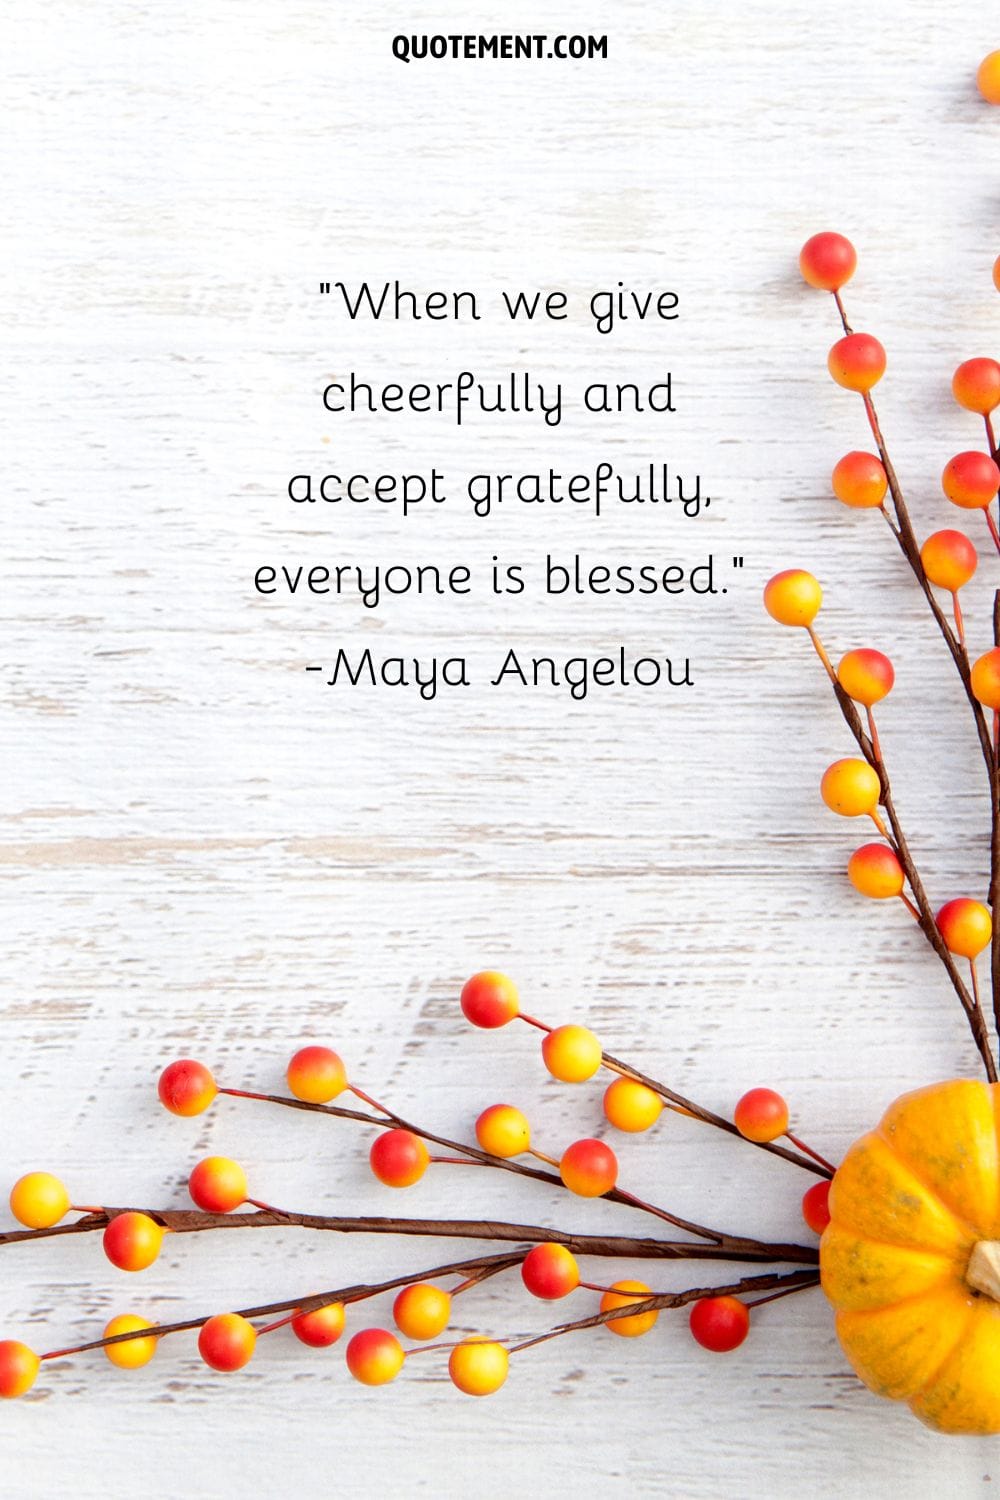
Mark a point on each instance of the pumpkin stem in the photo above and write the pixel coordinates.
(983, 1270)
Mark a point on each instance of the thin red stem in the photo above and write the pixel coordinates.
(991, 523)
(810, 1152)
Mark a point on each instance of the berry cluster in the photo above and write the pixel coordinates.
(399, 1156)
(856, 786)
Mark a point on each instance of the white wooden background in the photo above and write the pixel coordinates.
(205, 852)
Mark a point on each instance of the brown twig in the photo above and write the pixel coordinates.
(473, 1153)
(794, 1281)
(699, 1113)
(195, 1221)
(905, 537)
(482, 1267)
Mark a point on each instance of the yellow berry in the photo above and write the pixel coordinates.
(503, 1131)
(631, 1106)
(851, 787)
(421, 1311)
(38, 1200)
(988, 78)
(793, 597)
(131, 1354)
(638, 1323)
(478, 1367)
(571, 1053)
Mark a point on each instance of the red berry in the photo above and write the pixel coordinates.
(816, 1206)
(218, 1185)
(186, 1087)
(375, 1356)
(859, 480)
(966, 926)
(949, 559)
(550, 1271)
(132, 1241)
(827, 261)
(971, 480)
(875, 871)
(398, 1158)
(316, 1075)
(761, 1115)
(227, 1341)
(857, 361)
(589, 1168)
(720, 1323)
(490, 999)
(976, 385)
(986, 678)
(18, 1368)
(321, 1327)
(866, 676)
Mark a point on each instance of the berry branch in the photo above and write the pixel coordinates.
(962, 927)
(132, 1238)
(197, 1221)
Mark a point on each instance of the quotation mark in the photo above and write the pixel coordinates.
(737, 562)
(324, 286)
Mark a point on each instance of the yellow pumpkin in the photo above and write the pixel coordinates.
(911, 1257)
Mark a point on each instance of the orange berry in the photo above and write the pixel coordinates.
(949, 559)
(719, 1323)
(421, 1311)
(321, 1327)
(859, 480)
(375, 1356)
(38, 1200)
(851, 787)
(631, 1106)
(966, 926)
(218, 1185)
(571, 1053)
(18, 1368)
(976, 385)
(639, 1323)
(490, 999)
(988, 78)
(986, 678)
(550, 1271)
(857, 361)
(398, 1158)
(132, 1241)
(478, 1366)
(316, 1075)
(589, 1168)
(186, 1087)
(131, 1354)
(793, 597)
(996, 273)
(816, 1207)
(227, 1341)
(761, 1115)
(866, 676)
(971, 480)
(875, 871)
(503, 1131)
(827, 261)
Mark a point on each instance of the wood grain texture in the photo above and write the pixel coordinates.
(203, 851)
